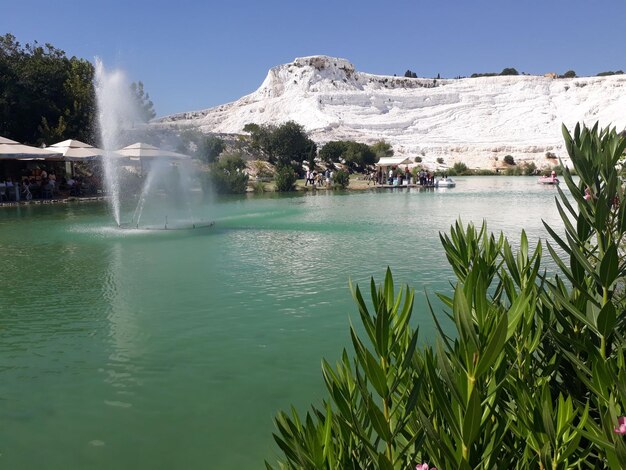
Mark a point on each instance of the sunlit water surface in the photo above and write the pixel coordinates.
(146, 350)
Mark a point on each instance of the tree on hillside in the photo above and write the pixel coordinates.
(144, 104)
(210, 148)
(290, 143)
(382, 149)
(609, 73)
(359, 155)
(410, 74)
(569, 74)
(261, 137)
(333, 151)
(354, 154)
(509, 71)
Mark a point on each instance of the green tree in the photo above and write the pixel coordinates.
(569, 74)
(211, 148)
(145, 106)
(509, 71)
(509, 160)
(382, 149)
(291, 144)
(44, 95)
(359, 155)
(333, 151)
(261, 139)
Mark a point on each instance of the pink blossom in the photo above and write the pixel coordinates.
(621, 425)
(423, 466)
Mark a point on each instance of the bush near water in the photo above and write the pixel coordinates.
(534, 375)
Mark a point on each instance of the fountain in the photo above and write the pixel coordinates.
(166, 186)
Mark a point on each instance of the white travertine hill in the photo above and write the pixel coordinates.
(474, 120)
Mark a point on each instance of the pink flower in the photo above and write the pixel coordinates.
(621, 425)
(423, 466)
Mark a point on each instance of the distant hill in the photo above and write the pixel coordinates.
(474, 120)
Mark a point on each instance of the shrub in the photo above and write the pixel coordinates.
(228, 175)
(610, 72)
(551, 156)
(258, 187)
(529, 169)
(509, 160)
(533, 375)
(341, 179)
(460, 168)
(509, 71)
(285, 179)
(513, 171)
(440, 160)
(417, 159)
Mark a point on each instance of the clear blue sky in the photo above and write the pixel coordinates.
(196, 54)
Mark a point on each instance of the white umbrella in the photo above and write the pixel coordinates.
(140, 151)
(12, 150)
(75, 150)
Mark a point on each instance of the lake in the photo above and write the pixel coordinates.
(175, 349)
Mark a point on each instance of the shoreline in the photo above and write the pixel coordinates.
(52, 201)
(355, 185)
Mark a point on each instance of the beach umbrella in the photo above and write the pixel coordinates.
(75, 150)
(141, 151)
(12, 150)
(149, 153)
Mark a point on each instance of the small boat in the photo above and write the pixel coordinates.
(445, 183)
(552, 179)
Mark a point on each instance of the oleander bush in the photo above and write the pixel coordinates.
(534, 375)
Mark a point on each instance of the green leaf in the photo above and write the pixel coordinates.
(389, 291)
(380, 424)
(609, 266)
(494, 348)
(375, 374)
(607, 319)
(384, 463)
(515, 314)
(472, 419)
(464, 317)
(382, 332)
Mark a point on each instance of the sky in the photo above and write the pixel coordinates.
(193, 54)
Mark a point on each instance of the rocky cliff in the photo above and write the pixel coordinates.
(474, 120)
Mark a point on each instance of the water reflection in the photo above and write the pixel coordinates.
(124, 335)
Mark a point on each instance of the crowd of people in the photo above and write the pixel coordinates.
(319, 179)
(43, 184)
(399, 177)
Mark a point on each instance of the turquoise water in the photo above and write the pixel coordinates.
(146, 350)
